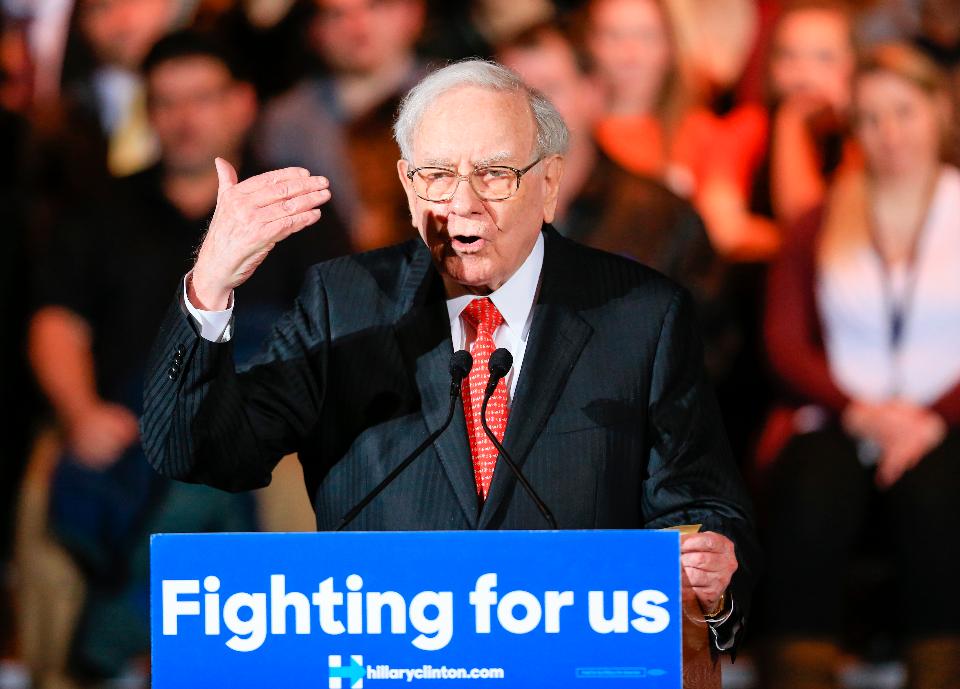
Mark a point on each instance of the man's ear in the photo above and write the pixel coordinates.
(402, 168)
(552, 174)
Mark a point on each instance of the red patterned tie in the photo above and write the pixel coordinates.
(485, 319)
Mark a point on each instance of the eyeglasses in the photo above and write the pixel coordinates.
(490, 182)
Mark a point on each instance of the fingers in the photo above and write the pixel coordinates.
(903, 453)
(890, 470)
(886, 476)
(707, 541)
(287, 189)
(709, 561)
(118, 428)
(252, 184)
(712, 581)
(226, 175)
(713, 575)
(894, 463)
(283, 227)
(708, 587)
(100, 439)
(934, 430)
(251, 215)
(132, 430)
(293, 206)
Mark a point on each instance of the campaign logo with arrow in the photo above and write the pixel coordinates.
(354, 672)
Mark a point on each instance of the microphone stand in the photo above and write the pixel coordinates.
(460, 365)
(498, 369)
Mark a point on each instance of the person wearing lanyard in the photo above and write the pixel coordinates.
(862, 330)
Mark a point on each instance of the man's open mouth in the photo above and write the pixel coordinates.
(467, 244)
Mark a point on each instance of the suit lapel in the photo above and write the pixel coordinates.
(557, 336)
(423, 331)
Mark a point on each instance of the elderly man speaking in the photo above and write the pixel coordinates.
(605, 410)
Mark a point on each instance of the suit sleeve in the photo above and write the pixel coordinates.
(692, 478)
(206, 422)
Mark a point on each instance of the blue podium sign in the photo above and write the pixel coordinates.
(364, 610)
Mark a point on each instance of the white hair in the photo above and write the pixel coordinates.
(552, 133)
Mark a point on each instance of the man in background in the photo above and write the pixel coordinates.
(602, 204)
(605, 206)
(339, 121)
(102, 289)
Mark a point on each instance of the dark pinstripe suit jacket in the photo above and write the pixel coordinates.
(612, 421)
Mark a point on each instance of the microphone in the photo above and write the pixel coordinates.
(460, 364)
(500, 363)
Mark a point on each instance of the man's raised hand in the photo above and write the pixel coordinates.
(250, 218)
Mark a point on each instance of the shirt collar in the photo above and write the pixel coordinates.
(514, 299)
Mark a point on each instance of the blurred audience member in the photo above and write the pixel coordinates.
(717, 37)
(810, 78)
(863, 329)
(338, 123)
(49, 30)
(602, 204)
(652, 125)
(459, 30)
(113, 36)
(48, 23)
(272, 34)
(767, 163)
(810, 68)
(649, 125)
(771, 164)
(99, 127)
(101, 291)
(605, 206)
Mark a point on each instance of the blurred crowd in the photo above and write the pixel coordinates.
(790, 163)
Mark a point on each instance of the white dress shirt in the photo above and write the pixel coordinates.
(215, 326)
(514, 300)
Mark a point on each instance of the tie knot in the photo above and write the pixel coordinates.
(483, 315)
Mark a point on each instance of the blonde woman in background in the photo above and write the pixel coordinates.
(863, 331)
